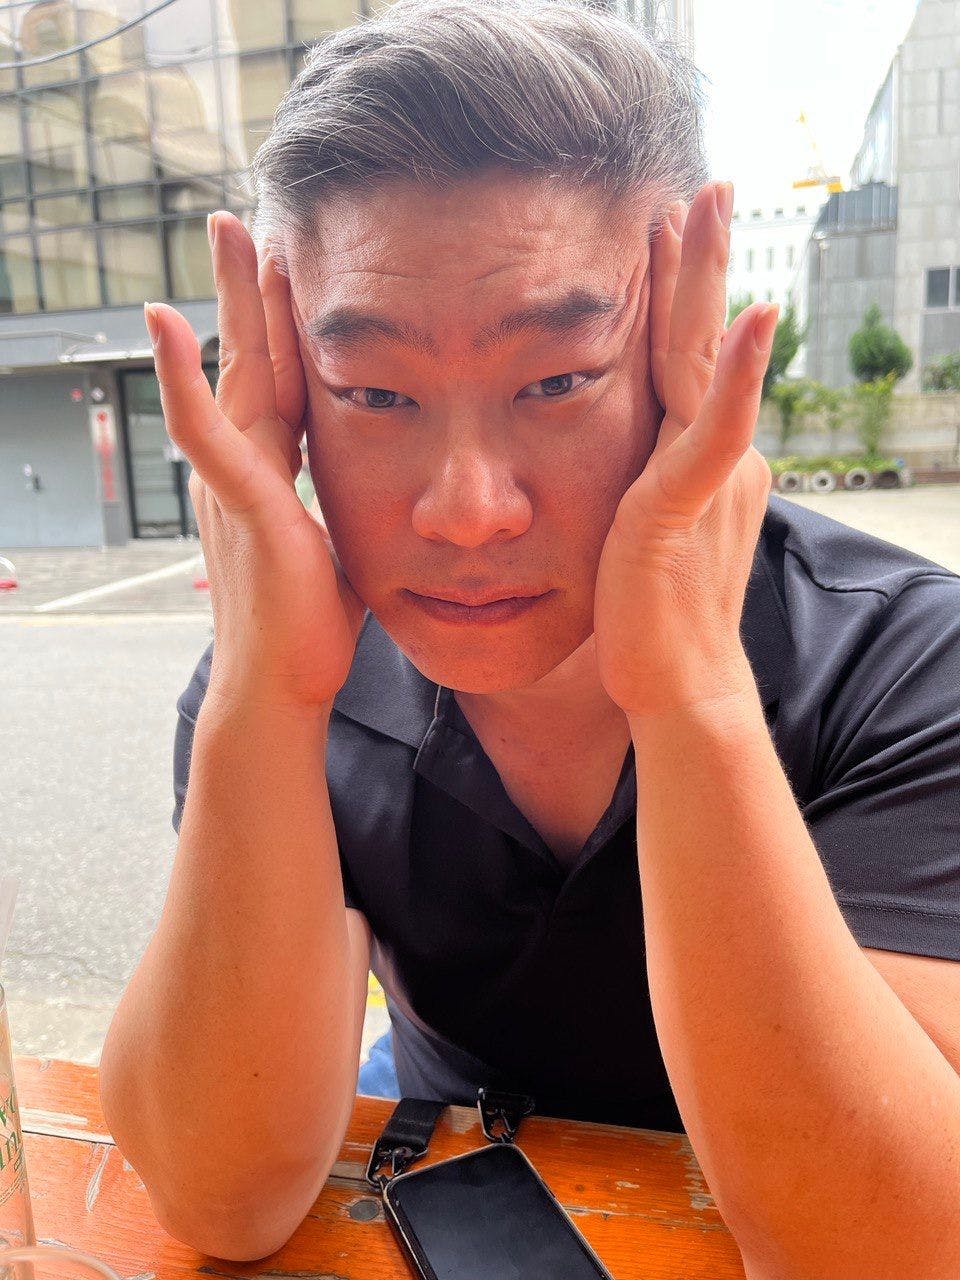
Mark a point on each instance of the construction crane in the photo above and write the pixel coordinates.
(817, 175)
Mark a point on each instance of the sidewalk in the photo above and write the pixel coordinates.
(148, 576)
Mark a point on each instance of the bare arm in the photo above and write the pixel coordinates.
(230, 1068)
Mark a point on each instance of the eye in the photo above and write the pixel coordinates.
(559, 385)
(374, 398)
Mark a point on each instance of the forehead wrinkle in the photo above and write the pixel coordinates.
(349, 326)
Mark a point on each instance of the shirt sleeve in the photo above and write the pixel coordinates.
(886, 819)
(188, 709)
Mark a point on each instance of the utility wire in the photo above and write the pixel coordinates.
(87, 44)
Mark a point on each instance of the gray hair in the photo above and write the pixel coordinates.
(432, 91)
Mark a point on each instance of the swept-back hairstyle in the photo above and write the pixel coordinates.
(432, 91)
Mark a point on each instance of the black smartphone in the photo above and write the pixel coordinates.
(487, 1215)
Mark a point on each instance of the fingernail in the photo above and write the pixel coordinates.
(724, 192)
(212, 230)
(764, 327)
(153, 326)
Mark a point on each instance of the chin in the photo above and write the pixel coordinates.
(486, 659)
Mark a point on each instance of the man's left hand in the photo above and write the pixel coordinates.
(674, 568)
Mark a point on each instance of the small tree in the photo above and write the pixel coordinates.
(793, 397)
(786, 343)
(875, 400)
(943, 374)
(876, 349)
(738, 304)
(833, 403)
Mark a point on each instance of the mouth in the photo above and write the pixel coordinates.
(502, 609)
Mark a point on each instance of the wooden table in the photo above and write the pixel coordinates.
(638, 1195)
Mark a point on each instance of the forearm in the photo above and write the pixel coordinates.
(228, 1065)
(826, 1121)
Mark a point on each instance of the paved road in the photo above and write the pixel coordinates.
(87, 716)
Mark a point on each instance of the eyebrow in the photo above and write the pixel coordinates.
(351, 328)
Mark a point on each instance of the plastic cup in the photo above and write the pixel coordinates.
(16, 1216)
(52, 1262)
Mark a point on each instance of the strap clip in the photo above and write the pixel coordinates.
(508, 1108)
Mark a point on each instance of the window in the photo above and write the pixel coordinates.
(312, 21)
(749, 259)
(938, 287)
(186, 118)
(251, 98)
(252, 24)
(62, 211)
(132, 263)
(120, 129)
(13, 181)
(756, 213)
(14, 216)
(801, 210)
(126, 202)
(18, 281)
(68, 269)
(188, 249)
(770, 255)
(57, 140)
(778, 213)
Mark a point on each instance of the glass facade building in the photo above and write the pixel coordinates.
(111, 158)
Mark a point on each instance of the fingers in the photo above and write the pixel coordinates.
(290, 384)
(703, 457)
(220, 454)
(699, 311)
(245, 389)
(664, 268)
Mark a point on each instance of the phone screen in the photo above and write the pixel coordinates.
(488, 1216)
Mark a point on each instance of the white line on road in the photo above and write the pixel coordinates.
(108, 588)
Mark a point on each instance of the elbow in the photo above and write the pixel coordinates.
(240, 1234)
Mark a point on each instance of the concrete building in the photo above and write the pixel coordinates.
(767, 241)
(894, 238)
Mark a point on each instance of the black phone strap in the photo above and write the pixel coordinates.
(406, 1135)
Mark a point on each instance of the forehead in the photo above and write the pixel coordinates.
(495, 252)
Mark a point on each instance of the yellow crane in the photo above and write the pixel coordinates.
(817, 175)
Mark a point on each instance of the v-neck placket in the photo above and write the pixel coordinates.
(452, 758)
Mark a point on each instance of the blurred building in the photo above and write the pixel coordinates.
(676, 14)
(110, 160)
(767, 240)
(894, 238)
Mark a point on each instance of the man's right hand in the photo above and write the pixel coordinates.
(286, 619)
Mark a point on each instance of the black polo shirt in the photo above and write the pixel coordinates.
(502, 967)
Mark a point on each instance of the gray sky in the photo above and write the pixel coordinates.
(770, 59)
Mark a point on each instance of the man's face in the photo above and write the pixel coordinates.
(481, 459)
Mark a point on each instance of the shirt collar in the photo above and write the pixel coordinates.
(387, 693)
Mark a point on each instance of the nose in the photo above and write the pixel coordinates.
(472, 496)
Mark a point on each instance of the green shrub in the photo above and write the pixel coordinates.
(830, 462)
(877, 350)
(943, 374)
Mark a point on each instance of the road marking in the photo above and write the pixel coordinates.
(123, 584)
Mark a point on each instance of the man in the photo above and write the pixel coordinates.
(669, 835)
